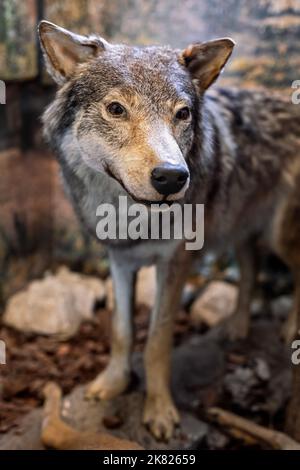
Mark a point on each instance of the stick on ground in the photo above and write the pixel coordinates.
(251, 432)
(59, 435)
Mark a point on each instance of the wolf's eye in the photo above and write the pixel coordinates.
(116, 109)
(183, 114)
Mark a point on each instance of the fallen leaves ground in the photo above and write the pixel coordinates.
(34, 360)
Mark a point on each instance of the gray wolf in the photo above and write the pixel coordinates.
(142, 122)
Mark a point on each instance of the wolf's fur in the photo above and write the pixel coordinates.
(242, 152)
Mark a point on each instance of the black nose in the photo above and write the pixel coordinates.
(169, 179)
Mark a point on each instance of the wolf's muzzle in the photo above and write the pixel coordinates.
(169, 179)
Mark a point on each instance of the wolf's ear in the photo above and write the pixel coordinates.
(206, 60)
(63, 50)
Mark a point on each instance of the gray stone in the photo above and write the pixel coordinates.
(55, 305)
(282, 306)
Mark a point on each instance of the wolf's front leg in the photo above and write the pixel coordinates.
(238, 325)
(114, 379)
(160, 413)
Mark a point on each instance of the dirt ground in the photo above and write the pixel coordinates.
(251, 378)
(34, 360)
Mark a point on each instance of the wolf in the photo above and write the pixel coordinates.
(143, 122)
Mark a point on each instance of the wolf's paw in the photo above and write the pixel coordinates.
(161, 417)
(237, 327)
(109, 384)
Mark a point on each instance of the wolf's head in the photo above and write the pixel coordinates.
(132, 112)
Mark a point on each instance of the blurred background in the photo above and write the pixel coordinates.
(38, 229)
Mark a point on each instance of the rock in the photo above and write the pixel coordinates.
(248, 385)
(240, 385)
(280, 387)
(282, 306)
(215, 304)
(196, 364)
(27, 436)
(217, 440)
(145, 288)
(258, 307)
(94, 284)
(262, 369)
(232, 274)
(55, 305)
(206, 266)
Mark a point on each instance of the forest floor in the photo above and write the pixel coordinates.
(250, 377)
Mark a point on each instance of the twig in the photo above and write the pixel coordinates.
(251, 432)
(57, 434)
